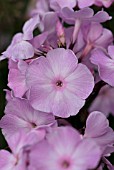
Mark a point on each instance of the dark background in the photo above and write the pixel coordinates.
(13, 14)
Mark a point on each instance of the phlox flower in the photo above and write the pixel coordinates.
(58, 84)
(20, 116)
(20, 47)
(57, 152)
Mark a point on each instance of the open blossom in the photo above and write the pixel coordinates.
(105, 63)
(58, 84)
(104, 102)
(97, 128)
(21, 116)
(20, 47)
(52, 67)
(60, 153)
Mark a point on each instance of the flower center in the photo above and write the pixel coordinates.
(65, 164)
(33, 124)
(59, 83)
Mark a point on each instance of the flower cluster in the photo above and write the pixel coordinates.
(65, 71)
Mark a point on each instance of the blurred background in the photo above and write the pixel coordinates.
(13, 14)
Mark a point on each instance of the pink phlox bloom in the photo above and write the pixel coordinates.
(105, 63)
(19, 115)
(20, 47)
(56, 83)
(97, 128)
(57, 152)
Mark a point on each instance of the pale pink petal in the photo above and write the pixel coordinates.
(83, 3)
(80, 82)
(29, 27)
(16, 142)
(58, 4)
(97, 29)
(66, 104)
(87, 154)
(58, 138)
(105, 66)
(11, 124)
(59, 58)
(7, 160)
(100, 17)
(39, 71)
(19, 108)
(22, 50)
(39, 40)
(50, 20)
(105, 39)
(104, 3)
(102, 104)
(105, 140)
(16, 81)
(34, 137)
(71, 16)
(96, 125)
(41, 97)
(42, 150)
